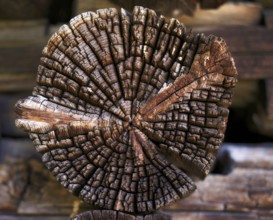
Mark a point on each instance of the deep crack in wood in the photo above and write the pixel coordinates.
(129, 108)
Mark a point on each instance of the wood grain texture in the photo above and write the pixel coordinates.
(129, 108)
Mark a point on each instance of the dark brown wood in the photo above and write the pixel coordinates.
(129, 109)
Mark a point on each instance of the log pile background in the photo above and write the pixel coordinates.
(29, 191)
(242, 184)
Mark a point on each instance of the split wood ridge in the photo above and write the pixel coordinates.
(129, 109)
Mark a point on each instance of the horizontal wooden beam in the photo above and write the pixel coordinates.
(250, 40)
(254, 66)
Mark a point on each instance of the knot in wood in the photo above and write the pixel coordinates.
(129, 108)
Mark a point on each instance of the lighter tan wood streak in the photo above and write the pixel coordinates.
(34, 116)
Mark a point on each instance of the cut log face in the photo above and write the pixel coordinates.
(129, 108)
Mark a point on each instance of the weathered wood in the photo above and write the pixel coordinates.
(211, 3)
(13, 181)
(35, 217)
(227, 15)
(169, 7)
(247, 190)
(11, 82)
(253, 60)
(26, 188)
(269, 97)
(43, 195)
(267, 4)
(244, 39)
(7, 114)
(24, 9)
(246, 93)
(268, 16)
(114, 215)
(19, 148)
(129, 109)
(262, 122)
(91, 5)
(241, 156)
(26, 56)
(213, 216)
(255, 66)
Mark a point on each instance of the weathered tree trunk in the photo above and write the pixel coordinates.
(129, 110)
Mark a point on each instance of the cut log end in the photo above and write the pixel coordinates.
(129, 108)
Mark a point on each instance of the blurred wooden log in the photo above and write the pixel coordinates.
(228, 14)
(21, 45)
(13, 82)
(211, 3)
(245, 193)
(244, 40)
(171, 7)
(261, 121)
(13, 181)
(7, 102)
(25, 54)
(167, 7)
(269, 18)
(246, 93)
(19, 148)
(213, 216)
(266, 3)
(269, 97)
(36, 217)
(114, 215)
(242, 156)
(23, 9)
(44, 195)
(26, 188)
(93, 5)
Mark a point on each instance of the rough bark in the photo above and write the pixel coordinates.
(129, 109)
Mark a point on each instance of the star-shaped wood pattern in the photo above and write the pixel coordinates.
(129, 108)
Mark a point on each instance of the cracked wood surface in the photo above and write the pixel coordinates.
(28, 191)
(129, 108)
